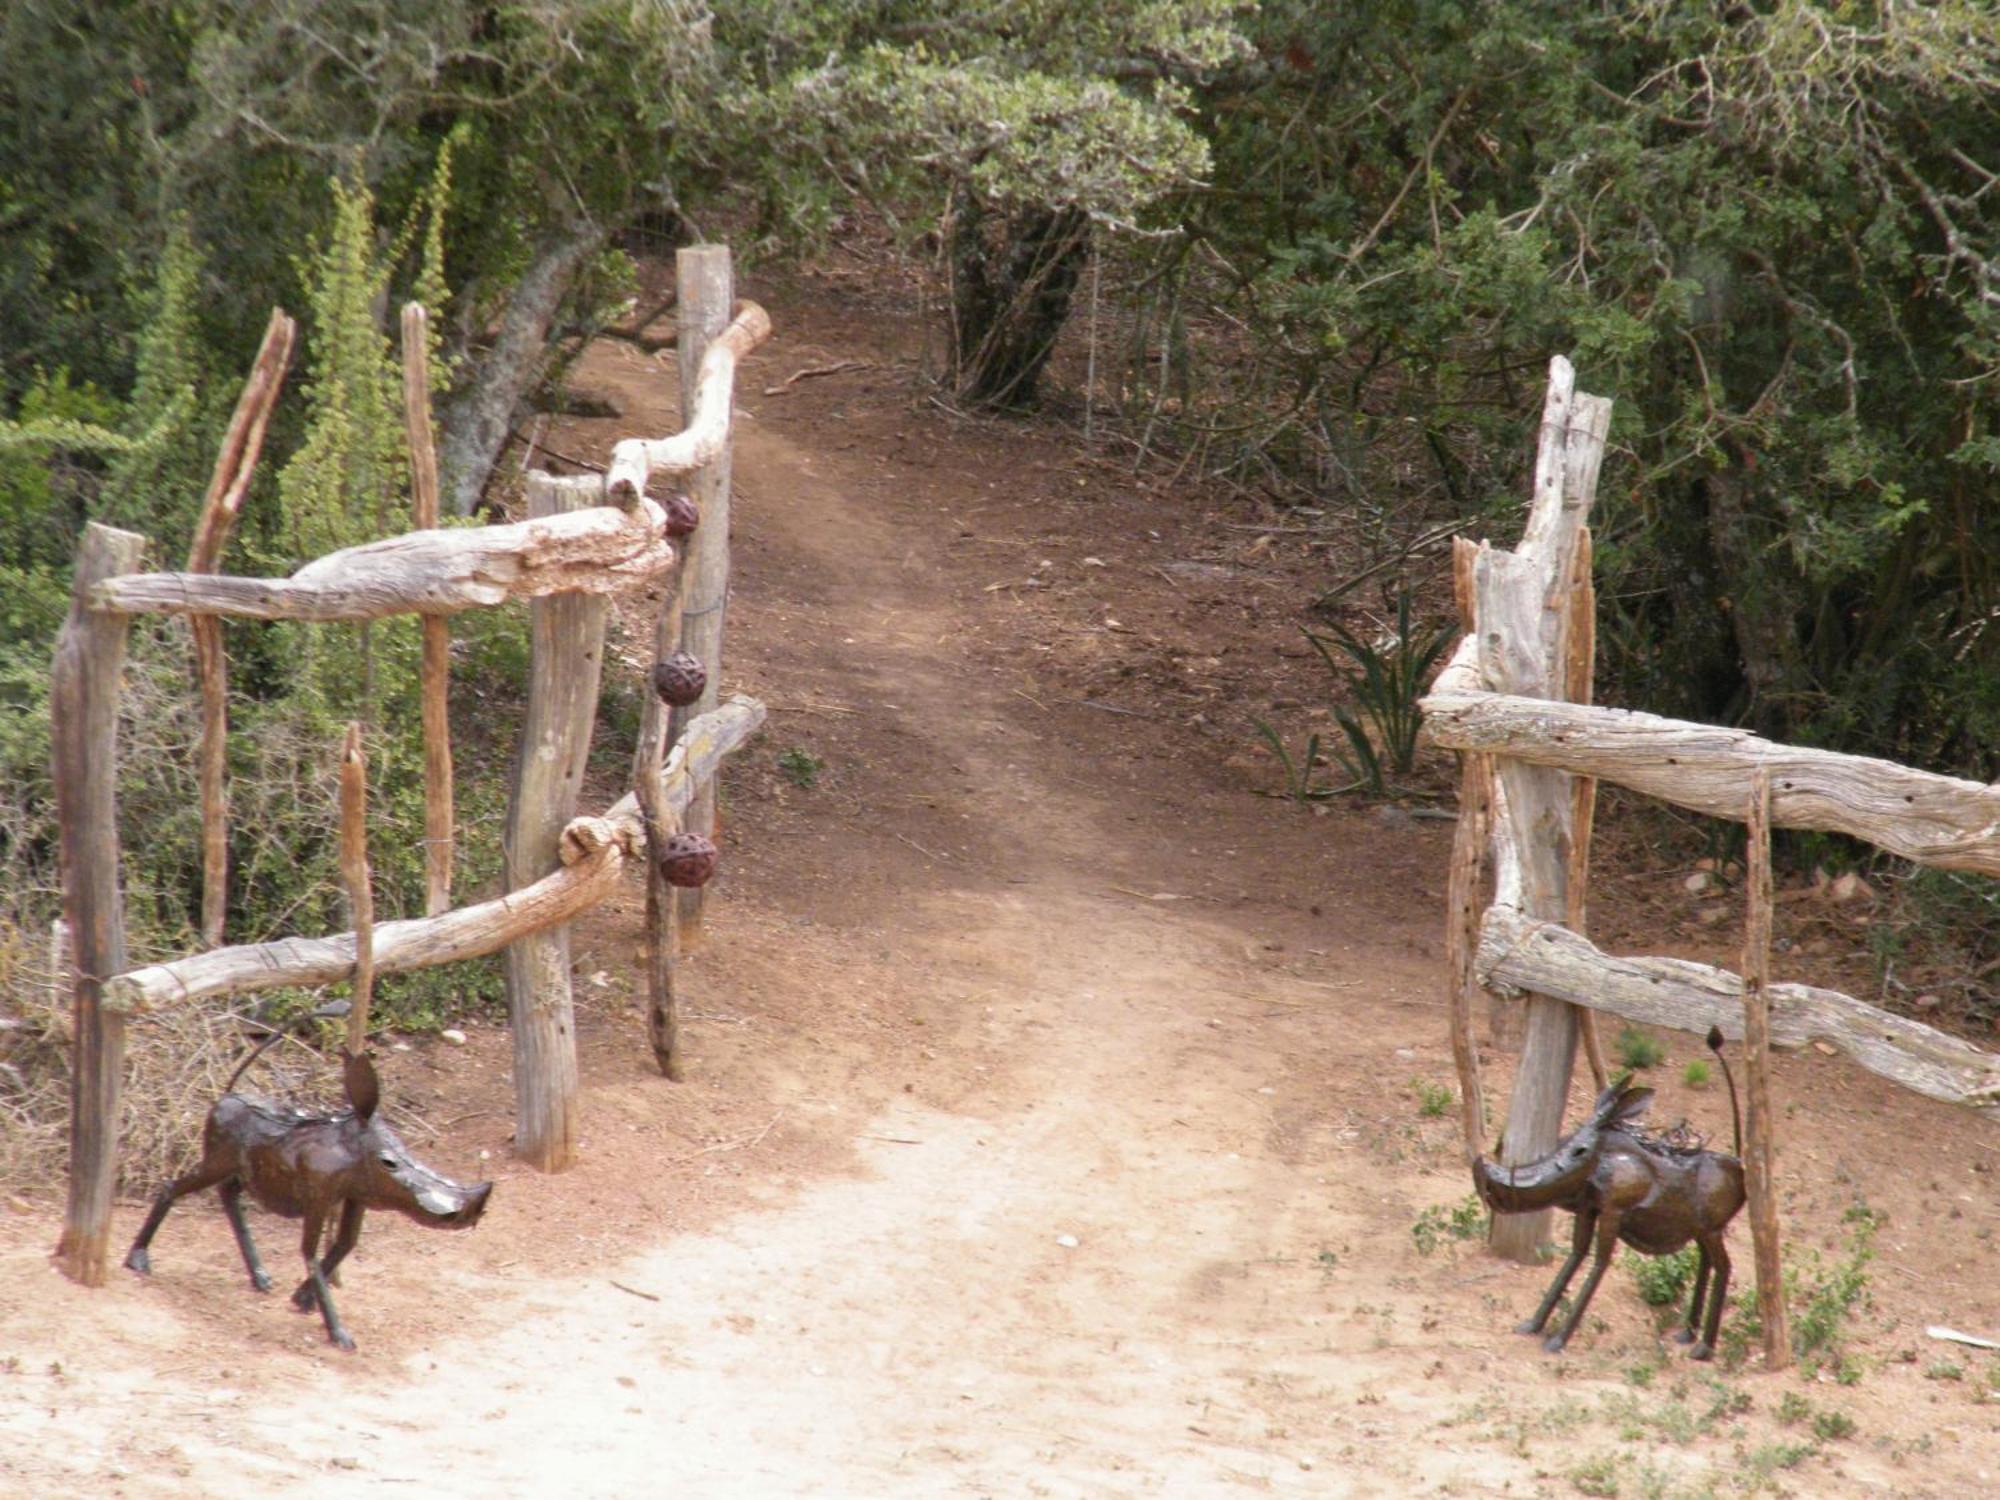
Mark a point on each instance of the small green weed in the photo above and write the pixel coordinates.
(1819, 1298)
(1831, 1426)
(1433, 1099)
(1696, 1074)
(1944, 1369)
(1441, 1222)
(1793, 1409)
(1664, 1279)
(1598, 1476)
(1298, 785)
(801, 767)
(1637, 1050)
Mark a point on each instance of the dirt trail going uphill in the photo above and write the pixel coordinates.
(1051, 1128)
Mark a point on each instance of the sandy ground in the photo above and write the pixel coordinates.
(1055, 1122)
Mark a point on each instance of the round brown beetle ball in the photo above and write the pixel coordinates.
(679, 679)
(683, 515)
(687, 859)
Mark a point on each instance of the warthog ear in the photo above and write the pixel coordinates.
(1632, 1106)
(364, 1089)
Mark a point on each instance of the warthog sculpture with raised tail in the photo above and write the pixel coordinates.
(1622, 1184)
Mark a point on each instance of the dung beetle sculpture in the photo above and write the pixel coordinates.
(683, 515)
(679, 678)
(316, 1167)
(687, 859)
(1623, 1184)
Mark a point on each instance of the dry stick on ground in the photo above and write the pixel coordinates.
(814, 372)
(1760, 1145)
(83, 702)
(1579, 671)
(435, 672)
(1465, 890)
(354, 875)
(662, 907)
(219, 508)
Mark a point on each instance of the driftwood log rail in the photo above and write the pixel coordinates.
(1529, 759)
(583, 539)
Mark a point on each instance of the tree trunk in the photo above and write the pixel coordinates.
(477, 420)
(1012, 282)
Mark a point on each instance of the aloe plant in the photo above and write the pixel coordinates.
(1388, 686)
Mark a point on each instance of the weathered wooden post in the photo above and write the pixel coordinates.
(1579, 682)
(227, 486)
(1524, 615)
(707, 291)
(84, 683)
(435, 671)
(1465, 886)
(1759, 1130)
(567, 657)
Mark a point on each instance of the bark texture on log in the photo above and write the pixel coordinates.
(83, 702)
(566, 663)
(1932, 819)
(708, 384)
(598, 550)
(1547, 957)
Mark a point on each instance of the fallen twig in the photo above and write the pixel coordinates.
(633, 1291)
(921, 849)
(838, 367)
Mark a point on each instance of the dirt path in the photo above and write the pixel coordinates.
(1053, 1127)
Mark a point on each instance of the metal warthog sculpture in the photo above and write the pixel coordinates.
(1653, 1194)
(313, 1167)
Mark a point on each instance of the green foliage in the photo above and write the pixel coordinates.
(1819, 1299)
(801, 767)
(1433, 1099)
(1767, 232)
(1298, 785)
(1638, 1050)
(1664, 1280)
(1696, 1074)
(1442, 1223)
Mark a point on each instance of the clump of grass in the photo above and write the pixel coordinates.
(1433, 1099)
(1831, 1426)
(1696, 1074)
(1820, 1297)
(1664, 1279)
(1637, 1050)
(1441, 1223)
(801, 767)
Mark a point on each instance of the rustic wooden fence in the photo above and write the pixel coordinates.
(583, 539)
(1514, 701)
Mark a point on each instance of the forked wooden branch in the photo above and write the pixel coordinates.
(706, 434)
(601, 550)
